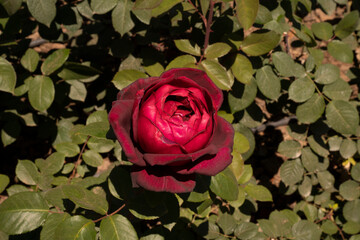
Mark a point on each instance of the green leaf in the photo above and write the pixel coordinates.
(355, 172)
(227, 223)
(242, 69)
(306, 230)
(27, 172)
(147, 4)
(340, 51)
(100, 145)
(41, 92)
(224, 185)
(301, 89)
(52, 164)
(291, 172)
(11, 7)
(7, 76)
(309, 159)
(338, 90)
(241, 144)
(23, 212)
(117, 227)
(78, 71)
(318, 145)
(102, 6)
(125, 77)
(350, 190)
(99, 116)
(246, 230)
(54, 61)
(92, 158)
(342, 116)
(95, 129)
(322, 30)
(76, 228)
(347, 25)
(269, 228)
(186, 46)
(246, 174)
(51, 224)
(311, 110)
(268, 82)
(246, 11)
(258, 192)
(327, 73)
(121, 18)
(85, 198)
(329, 227)
(326, 179)
(305, 187)
(351, 211)
(352, 228)
(334, 143)
(218, 74)
(217, 50)
(77, 90)
(242, 96)
(290, 148)
(44, 11)
(181, 61)
(16, 188)
(328, 6)
(154, 70)
(30, 60)
(4, 181)
(286, 65)
(257, 44)
(348, 148)
(69, 149)
(164, 6)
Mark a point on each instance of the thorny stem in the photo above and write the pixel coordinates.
(200, 14)
(109, 215)
(79, 160)
(208, 25)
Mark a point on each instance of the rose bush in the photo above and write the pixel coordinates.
(169, 129)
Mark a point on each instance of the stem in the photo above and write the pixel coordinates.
(318, 90)
(208, 25)
(109, 215)
(200, 14)
(79, 160)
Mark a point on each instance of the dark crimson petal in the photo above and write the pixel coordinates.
(120, 120)
(161, 180)
(167, 159)
(201, 78)
(217, 155)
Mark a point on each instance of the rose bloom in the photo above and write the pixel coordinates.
(169, 129)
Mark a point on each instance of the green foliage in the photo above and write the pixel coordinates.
(283, 63)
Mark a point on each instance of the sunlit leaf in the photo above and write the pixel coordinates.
(22, 212)
(7, 76)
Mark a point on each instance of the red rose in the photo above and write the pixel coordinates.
(169, 129)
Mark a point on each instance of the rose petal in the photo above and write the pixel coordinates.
(222, 139)
(152, 140)
(120, 120)
(161, 180)
(130, 91)
(201, 78)
(167, 159)
(212, 163)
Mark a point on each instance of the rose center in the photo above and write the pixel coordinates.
(178, 107)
